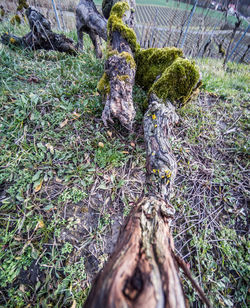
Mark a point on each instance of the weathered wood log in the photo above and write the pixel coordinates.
(90, 21)
(161, 164)
(41, 36)
(117, 83)
(142, 271)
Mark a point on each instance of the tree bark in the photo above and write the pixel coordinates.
(90, 21)
(142, 272)
(120, 68)
(41, 36)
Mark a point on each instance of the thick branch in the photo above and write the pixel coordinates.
(142, 271)
(161, 164)
(41, 36)
(119, 68)
(90, 21)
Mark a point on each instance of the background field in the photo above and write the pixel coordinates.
(161, 23)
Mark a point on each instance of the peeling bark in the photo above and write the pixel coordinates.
(142, 271)
(41, 36)
(161, 164)
(119, 102)
(121, 75)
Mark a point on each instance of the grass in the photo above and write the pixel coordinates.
(67, 182)
(212, 147)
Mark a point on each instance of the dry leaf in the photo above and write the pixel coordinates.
(65, 122)
(40, 224)
(74, 304)
(58, 180)
(18, 238)
(38, 185)
(109, 133)
(50, 147)
(101, 145)
(76, 115)
(125, 152)
(22, 288)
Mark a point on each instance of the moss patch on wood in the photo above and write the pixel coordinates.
(152, 62)
(126, 55)
(177, 82)
(103, 85)
(115, 23)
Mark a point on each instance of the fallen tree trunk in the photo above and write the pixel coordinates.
(41, 36)
(143, 271)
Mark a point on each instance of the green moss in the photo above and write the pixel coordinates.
(119, 9)
(15, 20)
(22, 4)
(115, 23)
(177, 82)
(152, 62)
(103, 85)
(129, 58)
(123, 77)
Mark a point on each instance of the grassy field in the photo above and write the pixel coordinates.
(67, 182)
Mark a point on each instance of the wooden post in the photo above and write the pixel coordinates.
(57, 18)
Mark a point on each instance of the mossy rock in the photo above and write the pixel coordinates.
(177, 82)
(152, 62)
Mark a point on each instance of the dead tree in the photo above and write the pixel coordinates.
(90, 21)
(143, 271)
(41, 36)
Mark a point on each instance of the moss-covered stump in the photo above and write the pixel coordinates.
(116, 85)
(143, 271)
